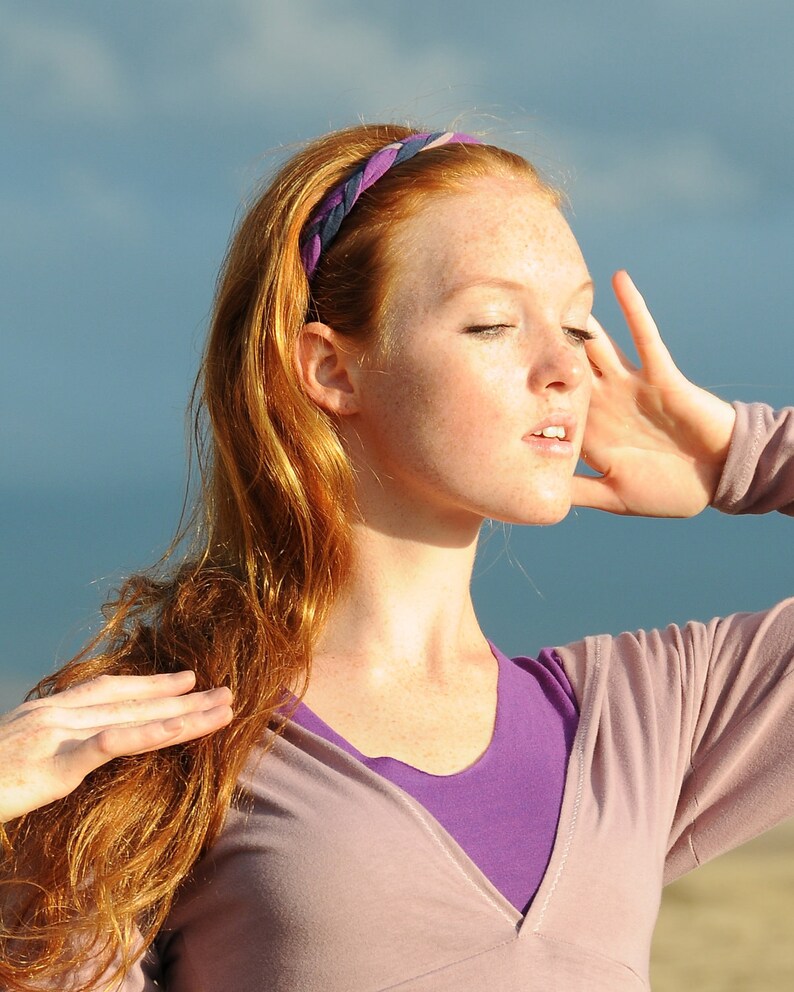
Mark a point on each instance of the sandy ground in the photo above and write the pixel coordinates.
(729, 926)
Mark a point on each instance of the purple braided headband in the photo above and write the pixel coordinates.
(327, 218)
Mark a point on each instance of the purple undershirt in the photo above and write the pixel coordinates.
(503, 809)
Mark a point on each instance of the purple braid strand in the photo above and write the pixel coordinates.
(328, 217)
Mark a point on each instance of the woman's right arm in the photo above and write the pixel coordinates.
(49, 745)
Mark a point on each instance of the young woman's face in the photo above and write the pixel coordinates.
(478, 408)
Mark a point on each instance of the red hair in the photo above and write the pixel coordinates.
(271, 548)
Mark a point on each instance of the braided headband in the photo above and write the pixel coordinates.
(328, 217)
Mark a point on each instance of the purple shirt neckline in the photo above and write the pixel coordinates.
(382, 763)
(502, 809)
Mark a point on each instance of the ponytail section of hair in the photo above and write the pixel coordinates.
(86, 883)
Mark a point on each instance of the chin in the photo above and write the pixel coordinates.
(547, 519)
(542, 513)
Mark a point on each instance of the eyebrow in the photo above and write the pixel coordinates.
(509, 284)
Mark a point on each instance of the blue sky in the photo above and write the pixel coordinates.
(133, 132)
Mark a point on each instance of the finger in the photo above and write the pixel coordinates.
(605, 356)
(644, 332)
(120, 688)
(115, 742)
(138, 711)
(596, 494)
(201, 724)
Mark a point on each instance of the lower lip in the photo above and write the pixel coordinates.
(549, 445)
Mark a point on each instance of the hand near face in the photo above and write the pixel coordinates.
(658, 441)
(48, 746)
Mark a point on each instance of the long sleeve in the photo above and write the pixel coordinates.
(759, 474)
(740, 775)
(698, 721)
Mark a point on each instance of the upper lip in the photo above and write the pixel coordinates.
(566, 420)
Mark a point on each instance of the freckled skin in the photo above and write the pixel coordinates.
(442, 421)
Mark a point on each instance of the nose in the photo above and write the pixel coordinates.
(558, 362)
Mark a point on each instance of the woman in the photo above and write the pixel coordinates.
(402, 346)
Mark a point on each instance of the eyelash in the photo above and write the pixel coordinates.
(578, 334)
(488, 330)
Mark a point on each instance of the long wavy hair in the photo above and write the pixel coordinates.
(86, 883)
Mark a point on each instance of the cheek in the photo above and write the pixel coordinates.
(583, 397)
(418, 413)
(454, 407)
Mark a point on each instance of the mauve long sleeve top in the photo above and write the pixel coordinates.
(329, 878)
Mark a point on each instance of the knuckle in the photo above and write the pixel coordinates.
(30, 705)
(105, 744)
(44, 717)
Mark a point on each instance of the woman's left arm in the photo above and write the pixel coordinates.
(658, 441)
(710, 704)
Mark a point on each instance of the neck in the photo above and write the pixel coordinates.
(406, 608)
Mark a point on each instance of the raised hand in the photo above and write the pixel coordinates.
(658, 441)
(48, 746)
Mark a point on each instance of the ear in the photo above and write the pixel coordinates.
(327, 365)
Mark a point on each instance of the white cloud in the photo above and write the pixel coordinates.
(303, 54)
(675, 171)
(285, 56)
(58, 67)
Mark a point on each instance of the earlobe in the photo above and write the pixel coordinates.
(325, 365)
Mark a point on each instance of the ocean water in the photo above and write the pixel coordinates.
(533, 587)
(63, 552)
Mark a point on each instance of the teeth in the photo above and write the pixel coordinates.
(551, 432)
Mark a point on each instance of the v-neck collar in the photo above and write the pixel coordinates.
(532, 920)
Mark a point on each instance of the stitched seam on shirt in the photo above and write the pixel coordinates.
(692, 769)
(694, 773)
(692, 825)
(695, 816)
(446, 967)
(418, 811)
(395, 792)
(595, 953)
(579, 789)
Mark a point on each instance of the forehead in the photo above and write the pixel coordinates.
(495, 229)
